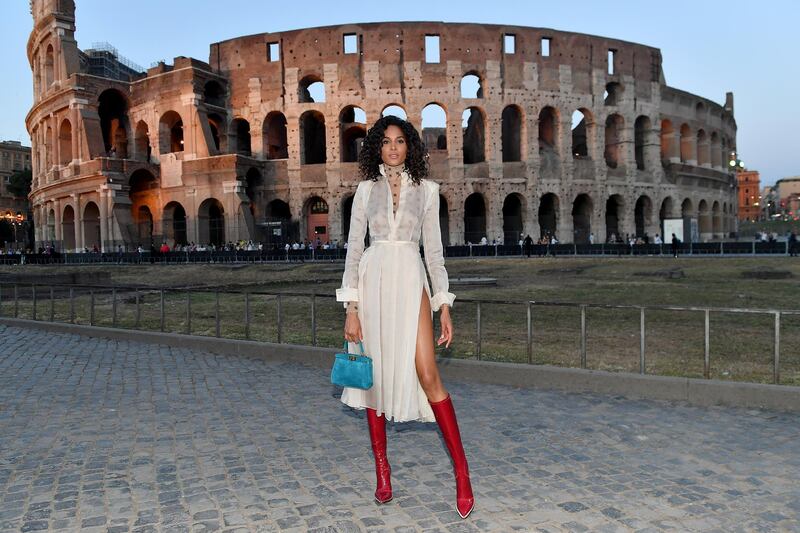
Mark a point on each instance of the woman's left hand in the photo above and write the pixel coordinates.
(447, 327)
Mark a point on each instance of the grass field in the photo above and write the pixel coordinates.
(741, 345)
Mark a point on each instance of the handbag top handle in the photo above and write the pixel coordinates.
(360, 346)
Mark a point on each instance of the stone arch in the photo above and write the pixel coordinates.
(68, 228)
(669, 148)
(548, 129)
(170, 133)
(703, 148)
(613, 93)
(91, 226)
(582, 211)
(474, 218)
(511, 133)
(434, 126)
(513, 218)
(700, 110)
(50, 234)
(704, 222)
(615, 214)
(582, 132)
(217, 125)
(687, 208)
(548, 214)
(687, 144)
(141, 142)
(313, 149)
(316, 214)
(666, 211)
(113, 110)
(144, 193)
(311, 89)
(49, 67)
(352, 132)
(240, 136)
(473, 125)
(174, 224)
(471, 85)
(613, 151)
(65, 142)
(276, 143)
(716, 150)
(211, 222)
(716, 220)
(394, 110)
(641, 131)
(643, 214)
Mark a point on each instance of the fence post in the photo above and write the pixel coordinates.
(280, 320)
(114, 307)
(91, 307)
(313, 320)
(583, 336)
(707, 350)
(530, 333)
(247, 315)
(161, 309)
(33, 295)
(776, 369)
(188, 312)
(52, 304)
(478, 330)
(216, 315)
(641, 341)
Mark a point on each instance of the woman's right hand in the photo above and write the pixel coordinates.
(352, 328)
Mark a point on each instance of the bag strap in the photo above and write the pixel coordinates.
(360, 346)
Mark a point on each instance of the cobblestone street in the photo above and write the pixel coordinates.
(119, 436)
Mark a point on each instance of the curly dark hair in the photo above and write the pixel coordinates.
(370, 157)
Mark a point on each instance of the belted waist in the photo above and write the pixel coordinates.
(393, 242)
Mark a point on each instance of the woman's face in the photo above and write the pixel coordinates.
(393, 146)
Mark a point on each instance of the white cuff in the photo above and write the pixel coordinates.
(346, 294)
(441, 298)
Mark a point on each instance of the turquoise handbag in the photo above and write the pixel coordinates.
(352, 370)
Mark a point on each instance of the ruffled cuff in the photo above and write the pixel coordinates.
(347, 294)
(441, 298)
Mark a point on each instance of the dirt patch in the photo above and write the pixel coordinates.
(674, 273)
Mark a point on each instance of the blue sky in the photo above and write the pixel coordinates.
(708, 47)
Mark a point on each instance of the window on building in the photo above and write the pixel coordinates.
(611, 57)
(432, 49)
(274, 52)
(510, 43)
(350, 43)
(546, 46)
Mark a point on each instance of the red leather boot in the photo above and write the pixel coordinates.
(377, 435)
(446, 418)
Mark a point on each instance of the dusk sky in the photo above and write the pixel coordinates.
(708, 47)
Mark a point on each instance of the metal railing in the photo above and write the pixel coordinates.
(37, 295)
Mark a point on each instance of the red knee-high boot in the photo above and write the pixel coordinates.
(377, 435)
(446, 418)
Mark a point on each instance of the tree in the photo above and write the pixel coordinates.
(19, 183)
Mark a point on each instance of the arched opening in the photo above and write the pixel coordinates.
(582, 128)
(613, 151)
(217, 126)
(687, 144)
(211, 222)
(548, 125)
(471, 85)
(434, 127)
(548, 215)
(641, 130)
(613, 93)
(512, 218)
(316, 212)
(91, 226)
(214, 94)
(444, 220)
(474, 218)
(394, 110)
(668, 147)
(703, 148)
(68, 228)
(49, 67)
(65, 142)
(170, 133)
(141, 144)
(716, 150)
(311, 89)
(352, 131)
(666, 211)
(275, 136)
(254, 188)
(643, 212)
(312, 138)
(474, 132)
(144, 225)
(144, 195)
(113, 111)
(704, 220)
(700, 110)
(614, 210)
(51, 226)
(687, 209)
(716, 220)
(512, 133)
(174, 222)
(582, 209)
(278, 219)
(241, 129)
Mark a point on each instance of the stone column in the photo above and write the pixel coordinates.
(104, 222)
(78, 221)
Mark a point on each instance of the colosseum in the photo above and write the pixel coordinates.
(530, 131)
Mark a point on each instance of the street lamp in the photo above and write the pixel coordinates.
(15, 221)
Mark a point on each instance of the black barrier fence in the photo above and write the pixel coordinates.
(338, 254)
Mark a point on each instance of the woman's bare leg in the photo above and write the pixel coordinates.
(425, 359)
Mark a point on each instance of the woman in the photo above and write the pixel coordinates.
(389, 304)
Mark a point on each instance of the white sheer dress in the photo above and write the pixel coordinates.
(388, 280)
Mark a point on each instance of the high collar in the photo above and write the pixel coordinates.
(382, 170)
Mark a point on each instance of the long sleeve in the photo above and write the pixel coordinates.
(355, 247)
(434, 258)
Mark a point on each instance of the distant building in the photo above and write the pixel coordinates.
(788, 195)
(769, 202)
(749, 195)
(14, 157)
